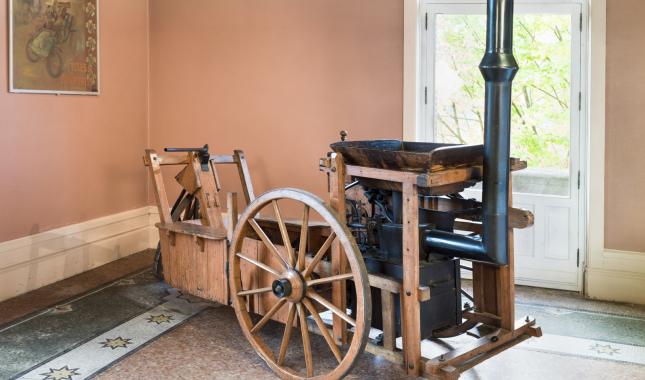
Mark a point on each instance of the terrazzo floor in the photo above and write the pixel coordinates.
(137, 327)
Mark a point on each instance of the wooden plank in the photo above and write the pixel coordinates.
(410, 312)
(189, 179)
(486, 343)
(200, 268)
(517, 218)
(485, 318)
(216, 259)
(395, 357)
(381, 174)
(245, 175)
(193, 229)
(388, 315)
(231, 214)
(489, 354)
(249, 273)
(208, 195)
(451, 176)
(222, 159)
(158, 187)
(385, 283)
(339, 264)
(446, 177)
(169, 159)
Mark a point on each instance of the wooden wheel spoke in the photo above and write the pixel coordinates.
(286, 242)
(268, 315)
(306, 343)
(318, 298)
(251, 292)
(259, 264)
(319, 255)
(323, 329)
(269, 244)
(304, 231)
(326, 280)
(287, 334)
(301, 265)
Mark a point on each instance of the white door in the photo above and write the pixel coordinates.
(546, 121)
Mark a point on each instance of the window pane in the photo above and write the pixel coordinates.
(541, 93)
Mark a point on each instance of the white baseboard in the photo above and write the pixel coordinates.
(610, 285)
(31, 262)
(617, 276)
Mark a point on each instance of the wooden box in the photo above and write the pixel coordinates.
(194, 259)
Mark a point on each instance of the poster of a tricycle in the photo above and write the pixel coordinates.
(54, 46)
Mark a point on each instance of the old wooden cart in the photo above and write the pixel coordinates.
(392, 205)
(290, 271)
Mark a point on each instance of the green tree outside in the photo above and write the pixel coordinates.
(541, 91)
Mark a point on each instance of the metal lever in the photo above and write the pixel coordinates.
(202, 153)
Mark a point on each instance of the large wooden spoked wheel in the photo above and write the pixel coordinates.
(296, 281)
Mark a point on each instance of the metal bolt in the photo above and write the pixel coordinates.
(408, 293)
(442, 359)
(494, 339)
(333, 170)
(528, 319)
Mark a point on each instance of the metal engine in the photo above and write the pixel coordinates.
(374, 216)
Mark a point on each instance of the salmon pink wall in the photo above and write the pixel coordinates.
(68, 159)
(625, 130)
(278, 79)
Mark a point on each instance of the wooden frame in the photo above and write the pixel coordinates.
(206, 241)
(155, 161)
(195, 252)
(493, 286)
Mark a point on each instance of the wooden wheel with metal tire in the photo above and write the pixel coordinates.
(296, 287)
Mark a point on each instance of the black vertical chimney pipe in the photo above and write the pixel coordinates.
(498, 68)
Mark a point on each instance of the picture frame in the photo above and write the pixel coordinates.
(54, 47)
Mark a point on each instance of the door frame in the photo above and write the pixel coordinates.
(592, 100)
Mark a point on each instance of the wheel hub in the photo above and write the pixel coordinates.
(281, 288)
(291, 286)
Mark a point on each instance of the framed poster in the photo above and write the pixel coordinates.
(54, 46)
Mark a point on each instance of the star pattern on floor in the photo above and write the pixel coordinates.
(606, 349)
(116, 343)
(64, 373)
(159, 319)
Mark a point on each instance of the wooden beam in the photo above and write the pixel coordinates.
(158, 186)
(381, 174)
(245, 175)
(231, 213)
(411, 311)
(388, 316)
(339, 264)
